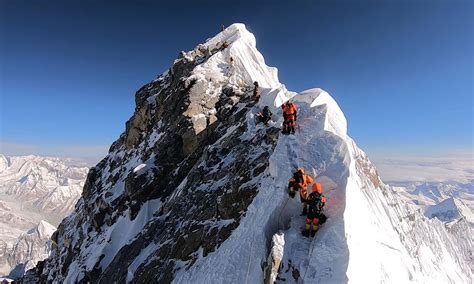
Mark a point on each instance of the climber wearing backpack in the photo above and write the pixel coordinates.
(300, 181)
(264, 116)
(289, 117)
(316, 202)
(256, 91)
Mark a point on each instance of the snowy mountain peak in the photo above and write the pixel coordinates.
(44, 230)
(451, 209)
(194, 191)
(232, 57)
(29, 248)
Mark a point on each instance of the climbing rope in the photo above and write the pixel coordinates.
(293, 157)
(299, 155)
(250, 260)
(309, 258)
(281, 211)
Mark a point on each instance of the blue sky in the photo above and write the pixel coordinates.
(402, 71)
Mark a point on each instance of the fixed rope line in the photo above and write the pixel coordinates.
(309, 258)
(250, 260)
(298, 153)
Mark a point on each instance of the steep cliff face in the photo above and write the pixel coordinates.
(194, 191)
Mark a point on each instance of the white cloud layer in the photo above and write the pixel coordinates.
(454, 167)
(88, 153)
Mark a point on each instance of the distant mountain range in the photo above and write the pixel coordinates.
(447, 201)
(36, 193)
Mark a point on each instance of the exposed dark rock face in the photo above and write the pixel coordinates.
(365, 168)
(183, 170)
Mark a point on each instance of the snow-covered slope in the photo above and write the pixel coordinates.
(33, 189)
(194, 192)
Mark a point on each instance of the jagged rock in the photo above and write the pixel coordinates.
(137, 126)
(274, 259)
(89, 183)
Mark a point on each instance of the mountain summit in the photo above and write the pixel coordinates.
(195, 192)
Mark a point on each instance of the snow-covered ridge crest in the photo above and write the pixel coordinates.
(248, 63)
(335, 120)
(190, 131)
(43, 229)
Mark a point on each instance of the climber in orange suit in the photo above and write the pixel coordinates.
(289, 117)
(315, 217)
(299, 182)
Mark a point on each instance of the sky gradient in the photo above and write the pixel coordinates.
(402, 71)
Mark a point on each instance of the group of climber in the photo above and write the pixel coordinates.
(289, 108)
(313, 202)
(289, 113)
